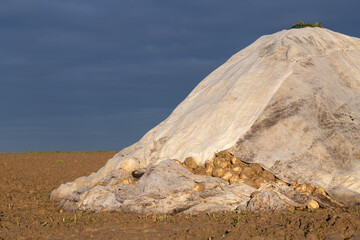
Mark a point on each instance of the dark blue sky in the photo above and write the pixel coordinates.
(97, 75)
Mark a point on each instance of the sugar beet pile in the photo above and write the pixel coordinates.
(286, 110)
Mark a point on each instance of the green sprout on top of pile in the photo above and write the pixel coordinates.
(303, 25)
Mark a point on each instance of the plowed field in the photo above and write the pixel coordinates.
(26, 179)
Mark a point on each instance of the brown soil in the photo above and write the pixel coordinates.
(26, 179)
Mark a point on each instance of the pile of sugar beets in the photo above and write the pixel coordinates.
(232, 170)
(224, 184)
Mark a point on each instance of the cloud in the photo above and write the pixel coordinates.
(78, 132)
